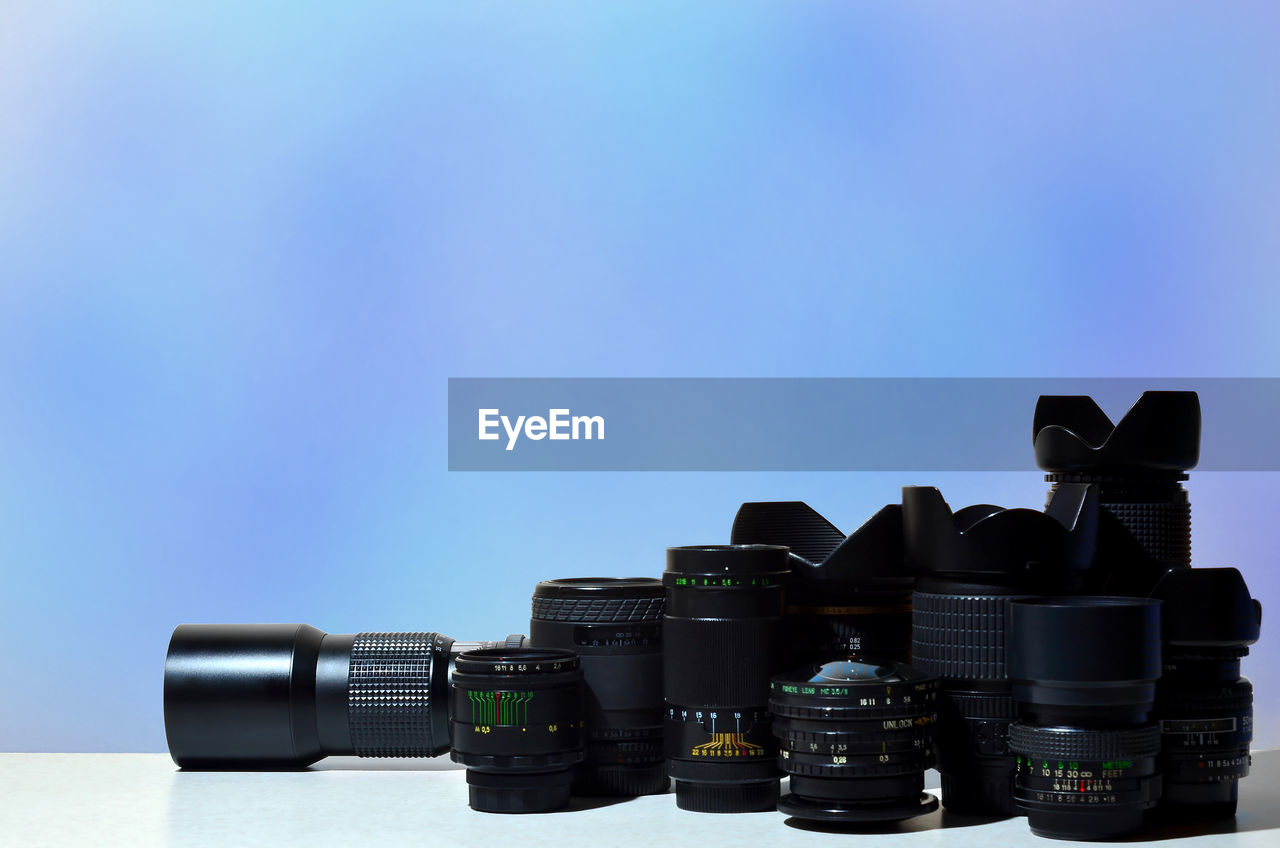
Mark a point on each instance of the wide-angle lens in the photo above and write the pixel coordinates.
(1204, 706)
(846, 594)
(517, 725)
(284, 695)
(969, 565)
(614, 624)
(721, 644)
(1086, 751)
(856, 736)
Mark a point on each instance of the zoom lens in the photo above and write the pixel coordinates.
(970, 564)
(847, 594)
(284, 695)
(615, 626)
(720, 645)
(1204, 706)
(1084, 676)
(856, 737)
(518, 727)
(1138, 464)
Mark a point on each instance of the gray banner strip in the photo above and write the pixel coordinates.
(837, 424)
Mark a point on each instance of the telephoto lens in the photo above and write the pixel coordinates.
(249, 696)
(1084, 676)
(846, 595)
(1204, 706)
(856, 736)
(968, 566)
(615, 626)
(721, 645)
(1138, 464)
(518, 727)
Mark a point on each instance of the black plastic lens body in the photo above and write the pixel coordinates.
(969, 565)
(847, 594)
(1138, 464)
(856, 737)
(245, 696)
(1084, 674)
(614, 624)
(518, 727)
(721, 644)
(1204, 706)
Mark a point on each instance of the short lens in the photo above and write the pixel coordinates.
(856, 737)
(517, 725)
(1085, 749)
(615, 626)
(720, 647)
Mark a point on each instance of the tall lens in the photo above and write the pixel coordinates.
(245, 696)
(856, 737)
(1204, 706)
(1084, 676)
(720, 647)
(615, 626)
(517, 727)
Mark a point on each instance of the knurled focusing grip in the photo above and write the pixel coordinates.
(397, 694)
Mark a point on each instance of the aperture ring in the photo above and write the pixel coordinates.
(1073, 744)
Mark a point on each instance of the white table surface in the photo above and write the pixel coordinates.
(142, 799)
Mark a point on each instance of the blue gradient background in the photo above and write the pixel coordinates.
(243, 247)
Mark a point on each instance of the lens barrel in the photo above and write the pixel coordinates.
(1084, 674)
(284, 695)
(614, 624)
(721, 644)
(517, 723)
(856, 736)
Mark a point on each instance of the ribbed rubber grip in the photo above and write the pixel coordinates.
(1070, 744)
(390, 698)
(604, 610)
(1163, 529)
(719, 663)
(961, 637)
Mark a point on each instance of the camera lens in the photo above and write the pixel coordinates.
(1084, 676)
(1204, 706)
(284, 695)
(969, 565)
(517, 727)
(1138, 464)
(615, 626)
(720, 645)
(856, 737)
(846, 595)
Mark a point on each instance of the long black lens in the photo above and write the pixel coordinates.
(615, 626)
(856, 737)
(245, 696)
(720, 646)
(1084, 676)
(517, 727)
(1204, 706)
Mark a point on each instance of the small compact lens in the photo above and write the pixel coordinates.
(856, 737)
(615, 626)
(517, 727)
(720, 646)
(1084, 674)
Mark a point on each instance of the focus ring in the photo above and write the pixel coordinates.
(602, 610)
(719, 664)
(1056, 743)
(389, 696)
(1163, 529)
(961, 637)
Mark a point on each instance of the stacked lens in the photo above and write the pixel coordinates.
(517, 725)
(721, 645)
(1084, 676)
(614, 624)
(1204, 706)
(856, 737)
